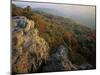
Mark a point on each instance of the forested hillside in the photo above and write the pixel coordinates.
(48, 43)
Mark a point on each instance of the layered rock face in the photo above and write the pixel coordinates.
(29, 50)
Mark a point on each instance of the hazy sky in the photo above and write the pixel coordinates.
(82, 14)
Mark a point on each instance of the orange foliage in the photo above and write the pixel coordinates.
(71, 40)
(42, 25)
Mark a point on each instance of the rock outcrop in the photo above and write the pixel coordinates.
(59, 61)
(29, 50)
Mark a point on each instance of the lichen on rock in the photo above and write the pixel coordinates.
(28, 48)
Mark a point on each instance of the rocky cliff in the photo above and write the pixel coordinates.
(28, 48)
